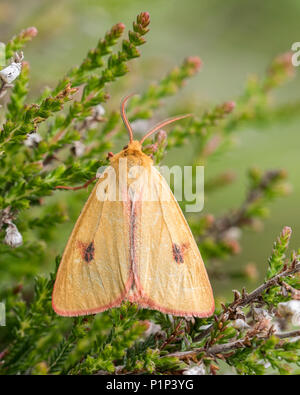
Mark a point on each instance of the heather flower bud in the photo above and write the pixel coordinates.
(161, 137)
(151, 149)
(13, 237)
(228, 107)
(286, 232)
(143, 19)
(233, 246)
(30, 32)
(283, 63)
(141, 25)
(118, 29)
(193, 64)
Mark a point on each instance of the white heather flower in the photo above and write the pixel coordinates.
(261, 313)
(13, 237)
(277, 327)
(267, 365)
(152, 329)
(11, 72)
(196, 370)
(233, 233)
(240, 324)
(190, 319)
(96, 116)
(263, 320)
(32, 140)
(204, 327)
(99, 110)
(78, 148)
(290, 310)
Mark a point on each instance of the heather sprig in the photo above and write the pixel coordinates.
(18, 42)
(142, 106)
(62, 138)
(277, 259)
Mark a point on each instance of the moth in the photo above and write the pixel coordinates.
(136, 247)
(11, 72)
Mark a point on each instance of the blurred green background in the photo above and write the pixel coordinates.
(233, 38)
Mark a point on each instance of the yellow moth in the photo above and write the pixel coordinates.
(136, 246)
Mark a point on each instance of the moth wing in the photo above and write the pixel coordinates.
(170, 273)
(94, 273)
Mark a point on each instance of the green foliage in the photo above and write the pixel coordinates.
(62, 138)
(277, 259)
(18, 42)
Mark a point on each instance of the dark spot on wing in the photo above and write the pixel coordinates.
(177, 253)
(89, 252)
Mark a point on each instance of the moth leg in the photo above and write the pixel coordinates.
(79, 187)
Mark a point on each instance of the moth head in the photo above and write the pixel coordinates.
(135, 145)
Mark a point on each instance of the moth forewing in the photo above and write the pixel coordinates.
(171, 276)
(93, 279)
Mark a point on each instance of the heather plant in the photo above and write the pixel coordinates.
(62, 138)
